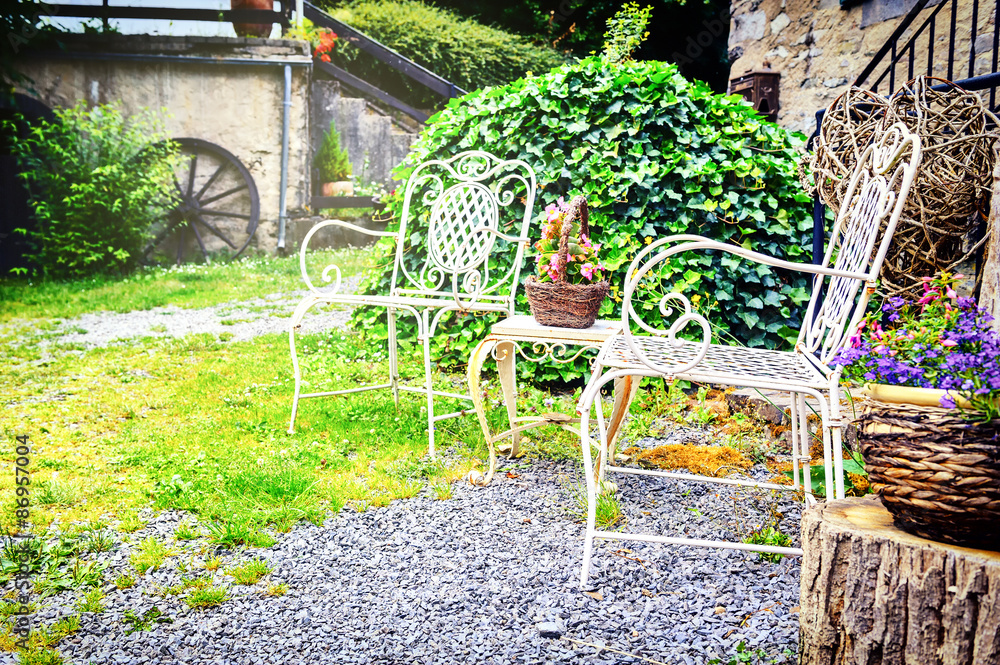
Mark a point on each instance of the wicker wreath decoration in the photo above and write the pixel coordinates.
(954, 178)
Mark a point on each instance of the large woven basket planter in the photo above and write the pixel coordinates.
(937, 472)
(565, 305)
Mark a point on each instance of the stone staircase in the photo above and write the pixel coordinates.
(366, 131)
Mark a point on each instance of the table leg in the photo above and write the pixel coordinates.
(475, 368)
(625, 389)
(506, 354)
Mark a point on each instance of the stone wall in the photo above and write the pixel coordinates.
(236, 106)
(820, 49)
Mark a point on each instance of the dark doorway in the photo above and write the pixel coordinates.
(14, 210)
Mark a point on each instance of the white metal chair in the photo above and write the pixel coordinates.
(874, 201)
(446, 268)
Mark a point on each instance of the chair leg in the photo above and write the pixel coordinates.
(804, 442)
(831, 487)
(837, 436)
(296, 370)
(393, 358)
(588, 475)
(793, 416)
(429, 386)
(625, 389)
(296, 321)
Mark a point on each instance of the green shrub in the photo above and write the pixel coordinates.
(463, 51)
(655, 155)
(332, 162)
(97, 181)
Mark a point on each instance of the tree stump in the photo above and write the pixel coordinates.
(871, 593)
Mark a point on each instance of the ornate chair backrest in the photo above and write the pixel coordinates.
(859, 241)
(874, 201)
(456, 213)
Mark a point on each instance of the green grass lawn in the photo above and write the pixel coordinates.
(200, 424)
(191, 285)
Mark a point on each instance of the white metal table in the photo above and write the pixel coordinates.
(522, 335)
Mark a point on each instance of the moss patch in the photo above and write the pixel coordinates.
(704, 460)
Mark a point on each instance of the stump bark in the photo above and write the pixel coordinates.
(871, 593)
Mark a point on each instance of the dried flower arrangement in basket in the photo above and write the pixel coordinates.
(570, 284)
(930, 434)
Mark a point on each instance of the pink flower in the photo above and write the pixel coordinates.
(588, 270)
(930, 295)
(948, 342)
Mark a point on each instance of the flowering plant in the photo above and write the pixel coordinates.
(322, 40)
(940, 341)
(582, 263)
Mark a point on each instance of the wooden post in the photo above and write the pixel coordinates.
(989, 294)
(871, 593)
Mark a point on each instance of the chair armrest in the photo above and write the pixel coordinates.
(663, 249)
(332, 267)
(693, 243)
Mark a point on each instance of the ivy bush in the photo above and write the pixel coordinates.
(97, 181)
(469, 54)
(655, 155)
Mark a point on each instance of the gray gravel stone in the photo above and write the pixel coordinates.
(468, 580)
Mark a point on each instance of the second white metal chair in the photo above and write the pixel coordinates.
(449, 266)
(842, 286)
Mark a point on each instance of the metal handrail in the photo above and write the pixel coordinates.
(106, 12)
(382, 52)
(893, 39)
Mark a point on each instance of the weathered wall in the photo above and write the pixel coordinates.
(819, 48)
(238, 107)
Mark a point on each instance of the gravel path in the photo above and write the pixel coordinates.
(473, 579)
(488, 576)
(237, 322)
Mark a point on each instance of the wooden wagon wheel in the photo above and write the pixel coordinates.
(218, 208)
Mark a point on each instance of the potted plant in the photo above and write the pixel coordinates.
(252, 29)
(570, 284)
(334, 166)
(321, 40)
(930, 432)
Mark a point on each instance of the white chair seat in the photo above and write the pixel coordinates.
(721, 364)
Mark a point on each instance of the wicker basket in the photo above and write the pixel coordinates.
(937, 472)
(559, 303)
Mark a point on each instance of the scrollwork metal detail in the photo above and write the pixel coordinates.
(556, 351)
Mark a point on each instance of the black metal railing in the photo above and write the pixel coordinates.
(106, 12)
(917, 56)
(383, 53)
(937, 47)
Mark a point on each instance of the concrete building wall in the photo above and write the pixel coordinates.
(820, 49)
(236, 106)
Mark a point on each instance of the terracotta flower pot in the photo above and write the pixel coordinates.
(339, 188)
(252, 29)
